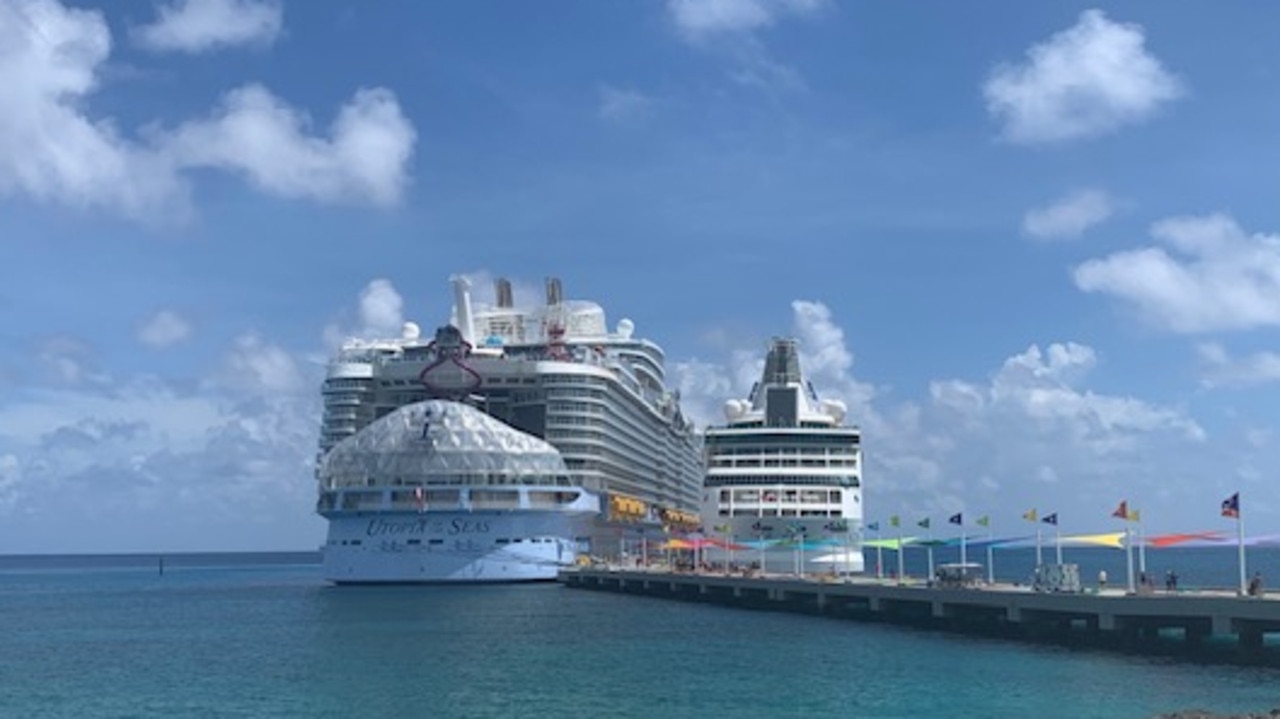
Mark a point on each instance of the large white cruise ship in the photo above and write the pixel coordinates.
(784, 475)
(551, 374)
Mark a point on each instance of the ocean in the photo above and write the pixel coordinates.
(261, 635)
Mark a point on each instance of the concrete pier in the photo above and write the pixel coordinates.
(1236, 627)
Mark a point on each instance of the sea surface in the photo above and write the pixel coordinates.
(261, 635)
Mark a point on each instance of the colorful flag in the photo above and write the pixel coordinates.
(894, 521)
(957, 518)
(1051, 519)
(1231, 506)
(1122, 512)
(873, 527)
(984, 521)
(923, 523)
(1029, 516)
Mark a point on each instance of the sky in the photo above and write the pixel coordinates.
(1035, 247)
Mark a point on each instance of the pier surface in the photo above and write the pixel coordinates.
(1235, 626)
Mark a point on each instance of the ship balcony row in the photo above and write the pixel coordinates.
(462, 499)
(780, 512)
(787, 496)
(835, 462)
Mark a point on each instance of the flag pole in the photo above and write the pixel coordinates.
(901, 564)
(1039, 551)
(991, 557)
(1057, 541)
(929, 536)
(1142, 547)
(1240, 549)
(1128, 555)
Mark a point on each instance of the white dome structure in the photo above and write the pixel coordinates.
(440, 442)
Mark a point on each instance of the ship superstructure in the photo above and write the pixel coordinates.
(554, 371)
(784, 474)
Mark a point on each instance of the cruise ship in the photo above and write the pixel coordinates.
(783, 480)
(545, 378)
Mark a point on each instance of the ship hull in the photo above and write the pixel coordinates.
(453, 547)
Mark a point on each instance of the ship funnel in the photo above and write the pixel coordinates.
(462, 305)
(502, 288)
(554, 294)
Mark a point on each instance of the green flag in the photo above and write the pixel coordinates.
(894, 521)
(984, 521)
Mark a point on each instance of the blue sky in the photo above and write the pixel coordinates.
(1034, 246)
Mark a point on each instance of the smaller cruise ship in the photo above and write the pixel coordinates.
(783, 481)
(439, 491)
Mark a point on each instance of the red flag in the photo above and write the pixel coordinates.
(1122, 511)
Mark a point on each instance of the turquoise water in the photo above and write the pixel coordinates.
(249, 638)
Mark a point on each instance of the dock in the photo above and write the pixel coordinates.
(1211, 624)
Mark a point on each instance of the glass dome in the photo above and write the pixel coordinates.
(440, 442)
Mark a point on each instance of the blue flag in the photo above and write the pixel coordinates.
(957, 518)
(1051, 519)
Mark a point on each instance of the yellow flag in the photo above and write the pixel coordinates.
(1030, 516)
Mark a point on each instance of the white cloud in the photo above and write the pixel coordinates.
(49, 148)
(1211, 276)
(1069, 217)
(729, 27)
(54, 150)
(1223, 370)
(258, 135)
(1085, 81)
(379, 315)
(622, 105)
(163, 329)
(1030, 435)
(254, 364)
(697, 19)
(196, 26)
(139, 463)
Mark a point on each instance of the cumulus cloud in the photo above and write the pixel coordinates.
(1088, 80)
(196, 26)
(163, 329)
(1223, 370)
(379, 315)
(698, 19)
(729, 27)
(622, 105)
(1209, 275)
(1068, 217)
(143, 463)
(53, 149)
(257, 135)
(1017, 438)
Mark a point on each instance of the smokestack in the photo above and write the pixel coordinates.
(462, 303)
(554, 294)
(503, 289)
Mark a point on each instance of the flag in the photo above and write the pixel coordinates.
(873, 527)
(837, 526)
(984, 521)
(1030, 516)
(957, 518)
(1231, 506)
(923, 523)
(894, 521)
(1133, 515)
(1122, 512)
(723, 528)
(1051, 519)
(761, 527)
